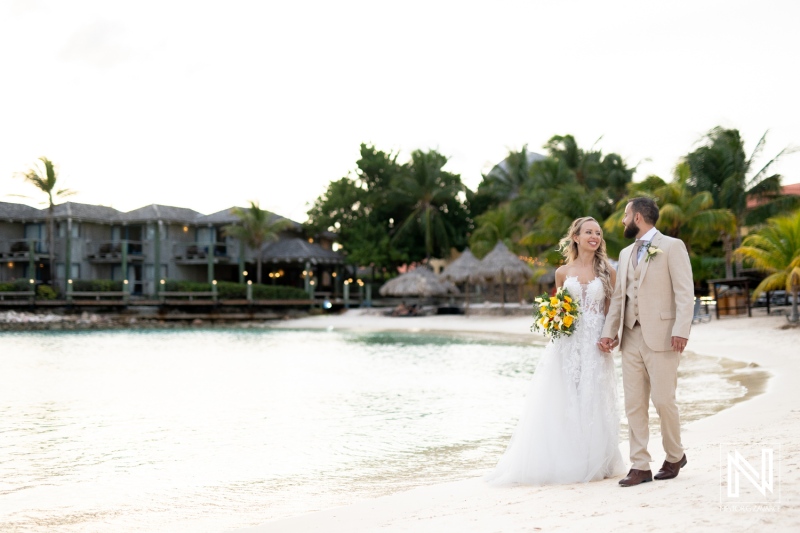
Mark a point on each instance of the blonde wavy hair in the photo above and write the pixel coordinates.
(569, 250)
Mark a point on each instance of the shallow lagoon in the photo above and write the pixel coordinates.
(208, 430)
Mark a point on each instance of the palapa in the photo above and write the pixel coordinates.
(420, 282)
(502, 266)
(460, 270)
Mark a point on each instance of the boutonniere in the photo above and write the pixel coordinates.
(651, 251)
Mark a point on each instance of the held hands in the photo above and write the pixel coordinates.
(606, 345)
(678, 344)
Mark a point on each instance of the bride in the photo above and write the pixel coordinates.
(568, 431)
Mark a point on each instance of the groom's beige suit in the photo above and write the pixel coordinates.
(652, 302)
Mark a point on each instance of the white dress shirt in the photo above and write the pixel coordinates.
(646, 238)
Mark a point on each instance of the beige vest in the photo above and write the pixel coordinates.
(631, 294)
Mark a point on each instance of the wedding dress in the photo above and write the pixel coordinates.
(569, 428)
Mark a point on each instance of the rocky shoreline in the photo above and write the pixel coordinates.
(49, 321)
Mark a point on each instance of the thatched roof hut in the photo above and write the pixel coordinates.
(298, 250)
(420, 282)
(502, 266)
(460, 270)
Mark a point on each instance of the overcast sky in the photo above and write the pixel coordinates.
(211, 104)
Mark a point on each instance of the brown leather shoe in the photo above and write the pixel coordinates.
(670, 470)
(635, 477)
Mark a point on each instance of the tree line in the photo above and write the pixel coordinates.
(388, 213)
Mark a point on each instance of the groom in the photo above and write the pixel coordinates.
(653, 302)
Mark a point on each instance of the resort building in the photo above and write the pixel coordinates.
(154, 243)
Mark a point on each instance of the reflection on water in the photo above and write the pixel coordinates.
(212, 430)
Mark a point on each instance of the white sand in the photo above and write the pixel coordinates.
(689, 502)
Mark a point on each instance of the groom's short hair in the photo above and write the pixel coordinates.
(647, 208)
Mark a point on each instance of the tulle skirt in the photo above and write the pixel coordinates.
(569, 428)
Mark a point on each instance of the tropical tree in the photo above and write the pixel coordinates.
(256, 228)
(495, 225)
(583, 163)
(510, 177)
(721, 167)
(44, 177)
(690, 216)
(775, 250)
(431, 192)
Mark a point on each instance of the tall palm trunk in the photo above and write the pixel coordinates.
(795, 291)
(739, 263)
(727, 244)
(258, 269)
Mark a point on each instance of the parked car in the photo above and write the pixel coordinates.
(775, 298)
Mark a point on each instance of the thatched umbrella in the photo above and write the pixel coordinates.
(460, 270)
(420, 282)
(500, 265)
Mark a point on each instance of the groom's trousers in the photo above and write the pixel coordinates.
(649, 374)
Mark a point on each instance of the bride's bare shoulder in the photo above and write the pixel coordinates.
(561, 274)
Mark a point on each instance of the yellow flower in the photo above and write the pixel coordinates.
(552, 313)
(567, 299)
(558, 326)
(568, 320)
(567, 307)
(553, 301)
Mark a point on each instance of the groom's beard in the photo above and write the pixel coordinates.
(631, 231)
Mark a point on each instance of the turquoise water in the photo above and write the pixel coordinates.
(209, 430)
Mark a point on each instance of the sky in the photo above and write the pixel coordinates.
(207, 104)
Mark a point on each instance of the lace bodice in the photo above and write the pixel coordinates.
(592, 296)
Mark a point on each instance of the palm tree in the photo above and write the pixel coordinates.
(775, 250)
(257, 227)
(690, 216)
(44, 177)
(565, 148)
(428, 188)
(495, 225)
(508, 178)
(721, 167)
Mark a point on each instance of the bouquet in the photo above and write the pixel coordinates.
(555, 315)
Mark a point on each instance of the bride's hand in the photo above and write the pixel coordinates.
(606, 345)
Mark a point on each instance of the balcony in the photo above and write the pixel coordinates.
(197, 253)
(112, 251)
(21, 249)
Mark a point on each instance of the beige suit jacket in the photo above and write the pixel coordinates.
(666, 294)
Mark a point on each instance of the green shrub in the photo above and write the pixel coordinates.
(278, 292)
(15, 286)
(186, 286)
(96, 285)
(45, 292)
(229, 290)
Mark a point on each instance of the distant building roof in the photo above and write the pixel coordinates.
(85, 212)
(10, 211)
(228, 216)
(299, 250)
(167, 213)
(108, 215)
(786, 190)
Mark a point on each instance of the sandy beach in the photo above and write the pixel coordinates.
(690, 502)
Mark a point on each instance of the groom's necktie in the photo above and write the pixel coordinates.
(636, 248)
